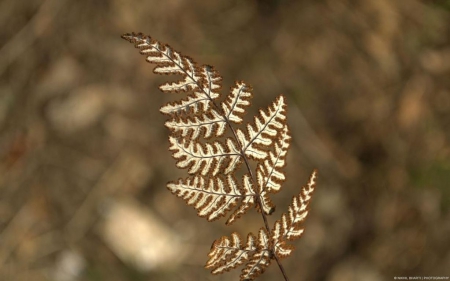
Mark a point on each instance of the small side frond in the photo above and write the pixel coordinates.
(212, 198)
(204, 81)
(212, 82)
(201, 99)
(238, 99)
(212, 124)
(210, 158)
(194, 103)
(229, 253)
(289, 227)
(167, 61)
(259, 136)
(269, 174)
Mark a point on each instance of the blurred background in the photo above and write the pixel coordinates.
(83, 149)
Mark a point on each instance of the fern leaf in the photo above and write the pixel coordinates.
(259, 136)
(210, 158)
(269, 174)
(229, 253)
(194, 103)
(202, 97)
(168, 61)
(289, 227)
(211, 124)
(204, 81)
(211, 197)
(236, 102)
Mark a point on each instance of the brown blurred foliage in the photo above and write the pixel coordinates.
(368, 88)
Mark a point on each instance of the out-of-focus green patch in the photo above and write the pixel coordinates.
(209, 48)
(135, 275)
(304, 94)
(436, 175)
(442, 4)
(93, 273)
(434, 26)
(430, 30)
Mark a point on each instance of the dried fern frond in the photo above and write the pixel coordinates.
(204, 81)
(290, 225)
(269, 173)
(210, 158)
(207, 125)
(200, 127)
(212, 197)
(229, 253)
(260, 135)
(238, 99)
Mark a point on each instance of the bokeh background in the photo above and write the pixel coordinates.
(83, 149)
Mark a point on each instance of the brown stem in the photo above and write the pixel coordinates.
(281, 268)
